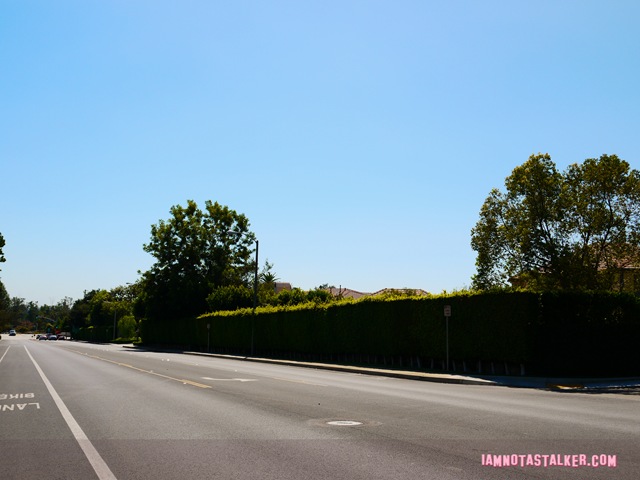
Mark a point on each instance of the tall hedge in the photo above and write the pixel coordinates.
(548, 334)
(593, 334)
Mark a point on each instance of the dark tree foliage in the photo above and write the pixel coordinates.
(230, 297)
(196, 251)
(6, 321)
(2, 244)
(79, 314)
(560, 231)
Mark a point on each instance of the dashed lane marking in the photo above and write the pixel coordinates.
(5, 352)
(150, 372)
(242, 380)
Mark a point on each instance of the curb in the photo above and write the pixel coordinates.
(560, 384)
(404, 374)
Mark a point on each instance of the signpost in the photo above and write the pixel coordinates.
(447, 314)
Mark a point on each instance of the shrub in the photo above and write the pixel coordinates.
(230, 297)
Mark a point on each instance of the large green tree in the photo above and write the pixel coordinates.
(196, 251)
(554, 230)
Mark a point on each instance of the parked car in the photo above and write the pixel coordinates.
(42, 337)
(12, 333)
(52, 336)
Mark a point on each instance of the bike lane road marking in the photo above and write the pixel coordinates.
(99, 466)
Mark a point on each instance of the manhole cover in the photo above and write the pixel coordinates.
(344, 423)
(329, 422)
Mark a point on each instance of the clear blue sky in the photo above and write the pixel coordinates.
(359, 137)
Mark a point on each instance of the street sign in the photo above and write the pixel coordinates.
(447, 310)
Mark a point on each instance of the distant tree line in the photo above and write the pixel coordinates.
(98, 308)
(204, 261)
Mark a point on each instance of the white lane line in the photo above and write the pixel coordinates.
(5, 352)
(306, 382)
(230, 379)
(96, 461)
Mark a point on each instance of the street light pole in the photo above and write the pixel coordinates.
(255, 291)
(447, 314)
(255, 298)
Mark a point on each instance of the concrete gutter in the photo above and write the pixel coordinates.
(561, 384)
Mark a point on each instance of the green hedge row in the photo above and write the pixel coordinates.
(94, 334)
(548, 334)
(588, 334)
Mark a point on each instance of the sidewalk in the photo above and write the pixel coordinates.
(563, 384)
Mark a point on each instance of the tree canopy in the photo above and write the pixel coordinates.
(196, 251)
(99, 309)
(4, 296)
(5, 314)
(566, 230)
(2, 244)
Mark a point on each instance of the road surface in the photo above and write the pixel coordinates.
(73, 410)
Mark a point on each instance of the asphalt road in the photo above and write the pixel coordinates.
(72, 410)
